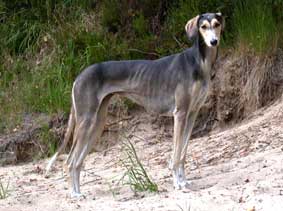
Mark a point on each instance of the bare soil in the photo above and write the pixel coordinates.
(235, 168)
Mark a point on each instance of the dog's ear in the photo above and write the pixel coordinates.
(222, 18)
(192, 28)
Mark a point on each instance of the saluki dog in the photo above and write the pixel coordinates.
(176, 85)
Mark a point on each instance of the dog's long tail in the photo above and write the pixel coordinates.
(67, 138)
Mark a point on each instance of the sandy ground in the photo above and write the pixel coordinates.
(239, 168)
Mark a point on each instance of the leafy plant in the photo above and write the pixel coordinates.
(140, 25)
(111, 18)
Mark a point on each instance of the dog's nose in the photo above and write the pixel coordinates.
(213, 42)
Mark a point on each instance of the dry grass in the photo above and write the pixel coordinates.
(246, 82)
(263, 79)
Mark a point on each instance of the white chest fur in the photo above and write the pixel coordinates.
(205, 67)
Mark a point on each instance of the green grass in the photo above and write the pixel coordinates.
(41, 60)
(4, 190)
(255, 25)
(135, 175)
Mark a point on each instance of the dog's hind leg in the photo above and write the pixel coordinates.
(89, 131)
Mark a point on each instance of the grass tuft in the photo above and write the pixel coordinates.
(135, 175)
(4, 190)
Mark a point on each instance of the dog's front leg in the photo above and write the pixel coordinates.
(183, 126)
(180, 119)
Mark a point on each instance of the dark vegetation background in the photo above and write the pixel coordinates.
(45, 44)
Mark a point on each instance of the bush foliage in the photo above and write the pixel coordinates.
(45, 43)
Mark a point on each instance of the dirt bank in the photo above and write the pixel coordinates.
(239, 168)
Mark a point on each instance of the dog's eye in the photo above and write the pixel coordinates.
(204, 27)
(216, 25)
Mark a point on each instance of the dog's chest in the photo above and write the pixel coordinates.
(200, 88)
(202, 72)
(205, 67)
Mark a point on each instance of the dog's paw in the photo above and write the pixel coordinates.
(46, 175)
(181, 185)
(76, 195)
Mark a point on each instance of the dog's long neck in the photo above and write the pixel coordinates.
(206, 56)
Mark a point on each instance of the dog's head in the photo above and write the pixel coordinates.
(209, 26)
